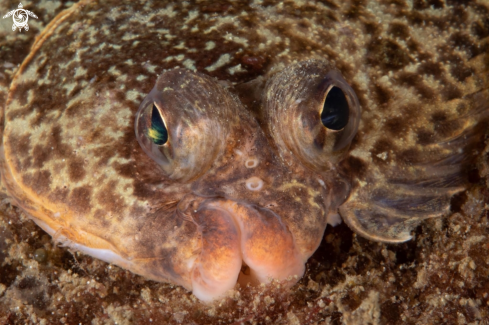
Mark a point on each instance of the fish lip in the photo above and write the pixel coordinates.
(257, 228)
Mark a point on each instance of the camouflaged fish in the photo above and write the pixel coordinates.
(208, 144)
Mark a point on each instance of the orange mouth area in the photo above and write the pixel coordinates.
(234, 234)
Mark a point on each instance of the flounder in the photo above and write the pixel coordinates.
(266, 122)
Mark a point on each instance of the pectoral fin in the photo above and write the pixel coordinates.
(390, 198)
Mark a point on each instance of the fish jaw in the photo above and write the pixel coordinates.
(235, 234)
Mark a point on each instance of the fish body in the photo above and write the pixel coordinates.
(205, 144)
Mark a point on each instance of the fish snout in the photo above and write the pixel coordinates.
(234, 235)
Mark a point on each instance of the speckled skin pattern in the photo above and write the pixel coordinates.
(72, 162)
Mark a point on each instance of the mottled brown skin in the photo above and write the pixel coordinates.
(16, 46)
(72, 162)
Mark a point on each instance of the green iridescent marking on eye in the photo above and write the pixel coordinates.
(157, 132)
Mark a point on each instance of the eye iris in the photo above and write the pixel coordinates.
(158, 132)
(335, 112)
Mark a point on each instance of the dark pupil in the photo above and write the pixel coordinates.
(158, 132)
(335, 111)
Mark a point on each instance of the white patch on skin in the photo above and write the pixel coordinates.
(129, 36)
(163, 31)
(321, 182)
(80, 71)
(114, 71)
(57, 215)
(189, 64)
(254, 183)
(168, 11)
(210, 45)
(239, 40)
(180, 46)
(220, 21)
(235, 69)
(92, 39)
(115, 46)
(333, 219)
(133, 96)
(382, 155)
(251, 162)
(238, 152)
(191, 15)
(100, 47)
(150, 67)
(69, 87)
(179, 57)
(223, 60)
(122, 78)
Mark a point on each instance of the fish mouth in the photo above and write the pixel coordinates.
(235, 236)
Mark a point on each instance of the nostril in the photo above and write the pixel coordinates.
(254, 183)
(251, 163)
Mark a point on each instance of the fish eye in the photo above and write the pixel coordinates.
(181, 127)
(157, 132)
(312, 113)
(335, 112)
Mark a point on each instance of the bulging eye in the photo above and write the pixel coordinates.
(181, 127)
(157, 132)
(312, 112)
(335, 111)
